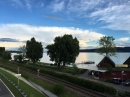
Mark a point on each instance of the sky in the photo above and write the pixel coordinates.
(87, 20)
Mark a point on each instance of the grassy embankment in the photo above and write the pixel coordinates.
(29, 91)
(66, 69)
(46, 85)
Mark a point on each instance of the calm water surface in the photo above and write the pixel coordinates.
(121, 57)
(82, 57)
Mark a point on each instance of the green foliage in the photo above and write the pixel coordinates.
(58, 88)
(23, 86)
(23, 50)
(76, 69)
(34, 50)
(11, 87)
(78, 81)
(64, 50)
(110, 80)
(18, 58)
(2, 49)
(107, 46)
(83, 71)
(124, 94)
(6, 55)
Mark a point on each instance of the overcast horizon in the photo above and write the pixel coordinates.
(87, 20)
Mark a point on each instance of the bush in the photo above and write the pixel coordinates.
(24, 75)
(110, 80)
(83, 71)
(78, 81)
(76, 69)
(58, 88)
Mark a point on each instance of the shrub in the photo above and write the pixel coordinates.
(78, 81)
(109, 80)
(76, 69)
(58, 88)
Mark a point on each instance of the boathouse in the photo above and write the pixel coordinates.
(105, 62)
(127, 62)
(111, 71)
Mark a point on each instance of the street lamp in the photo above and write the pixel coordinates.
(122, 76)
(38, 70)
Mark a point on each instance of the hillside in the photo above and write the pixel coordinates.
(118, 49)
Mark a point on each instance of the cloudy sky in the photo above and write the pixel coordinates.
(88, 20)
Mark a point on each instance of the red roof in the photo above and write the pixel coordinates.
(109, 60)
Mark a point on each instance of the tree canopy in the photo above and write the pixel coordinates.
(34, 50)
(2, 49)
(6, 55)
(22, 49)
(64, 50)
(107, 46)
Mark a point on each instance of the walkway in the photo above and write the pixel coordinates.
(118, 87)
(35, 86)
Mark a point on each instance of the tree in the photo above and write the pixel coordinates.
(107, 46)
(34, 50)
(18, 58)
(2, 49)
(6, 55)
(22, 49)
(64, 50)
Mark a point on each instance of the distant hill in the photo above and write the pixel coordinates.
(118, 49)
(14, 51)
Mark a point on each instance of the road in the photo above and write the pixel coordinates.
(4, 91)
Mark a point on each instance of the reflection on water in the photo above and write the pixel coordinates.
(119, 59)
(82, 57)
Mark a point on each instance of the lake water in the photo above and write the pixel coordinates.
(82, 57)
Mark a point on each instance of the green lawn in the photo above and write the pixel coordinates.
(11, 87)
(49, 86)
(31, 92)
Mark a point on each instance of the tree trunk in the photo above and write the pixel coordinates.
(58, 64)
(63, 64)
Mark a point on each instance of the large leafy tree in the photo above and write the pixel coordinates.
(64, 50)
(34, 50)
(107, 46)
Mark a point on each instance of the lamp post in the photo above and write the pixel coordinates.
(122, 76)
(38, 70)
(18, 75)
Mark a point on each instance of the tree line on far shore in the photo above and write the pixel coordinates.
(65, 49)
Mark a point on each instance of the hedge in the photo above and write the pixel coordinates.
(78, 81)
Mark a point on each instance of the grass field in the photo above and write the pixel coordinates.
(29, 91)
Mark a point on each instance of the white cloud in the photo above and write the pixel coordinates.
(57, 6)
(115, 14)
(9, 45)
(18, 3)
(28, 4)
(83, 5)
(124, 39)
(45, 34)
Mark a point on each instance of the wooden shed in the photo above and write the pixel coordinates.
(105, 62)
(127, 62)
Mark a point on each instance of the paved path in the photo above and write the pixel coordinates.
(118, 87)
(35, 86)
(4, 91)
